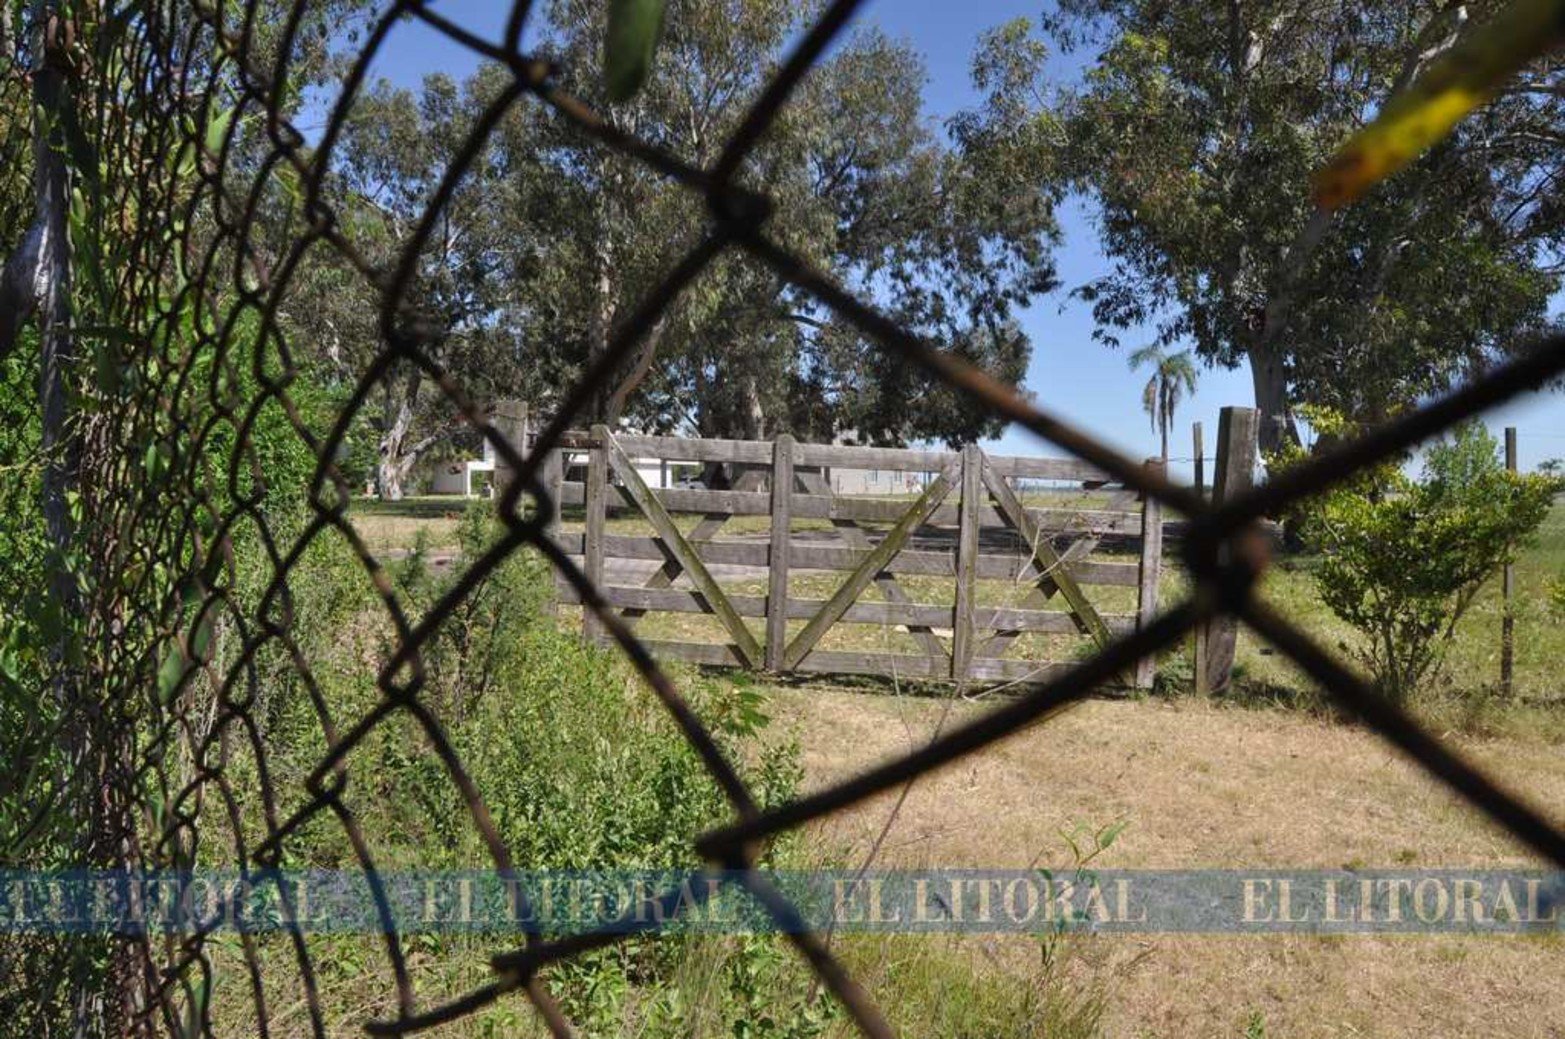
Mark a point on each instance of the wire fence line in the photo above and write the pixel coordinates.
(156, 538)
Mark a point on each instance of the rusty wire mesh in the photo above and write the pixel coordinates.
(194, 230)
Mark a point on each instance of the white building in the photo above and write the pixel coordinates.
(456, 476)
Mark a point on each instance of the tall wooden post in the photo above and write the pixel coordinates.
(1507, 589)
(1234, 475)
(1149, 571)
(1198, 634)
(1200, 460)
(966, 562)
(509, 419)
(552, 473)
(597, 494)
(777, 559)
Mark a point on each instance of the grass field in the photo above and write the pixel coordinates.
(1265, 777)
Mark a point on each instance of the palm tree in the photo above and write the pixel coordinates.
(1173, 375)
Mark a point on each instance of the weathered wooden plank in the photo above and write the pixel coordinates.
(683, 449)
(681, 549)
(1151, 565)
(1121, 522)
(696, 652)
(1048, 560)
(907, 666)
(874, 562)
(966, 563)
(781, 540)
(805, 555)
(838, 456)
(888, 664)
(855, 536)
(551, 474)
(684, 600)
(916, 461)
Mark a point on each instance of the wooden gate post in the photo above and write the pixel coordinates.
(966, 562)
(1200, 459)
(552, 474)
(777, 559)
(597, 494)
(1507, 589)
(1234, 475)
(509, 419)
(1149, 571)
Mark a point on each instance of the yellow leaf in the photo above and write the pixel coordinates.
(1458, 82)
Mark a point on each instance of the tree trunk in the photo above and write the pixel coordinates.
(600, 310)
(394, 464)
(1276, 427)
(624, 386)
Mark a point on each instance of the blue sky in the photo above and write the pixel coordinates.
(1071, 375)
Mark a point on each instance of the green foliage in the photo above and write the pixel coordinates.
(553, 239)
(1197, 133)
(1173, 375)
(1402, 559)
(28, 624)
(578, 764)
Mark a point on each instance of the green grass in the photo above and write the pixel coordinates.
(1465, 694)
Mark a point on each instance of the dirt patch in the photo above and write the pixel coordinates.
(1200, 786)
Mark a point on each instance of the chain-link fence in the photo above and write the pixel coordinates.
(187, 299)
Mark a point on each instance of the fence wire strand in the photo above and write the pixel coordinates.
(199, 231)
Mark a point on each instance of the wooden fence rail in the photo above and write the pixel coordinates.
(970, 525)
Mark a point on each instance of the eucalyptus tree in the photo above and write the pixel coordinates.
(1196, 132)
(950, 232)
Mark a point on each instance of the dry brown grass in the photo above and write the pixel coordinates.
(1201, 786)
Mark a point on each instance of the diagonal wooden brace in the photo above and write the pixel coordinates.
(1050, 563)
(705, 530)
(855, 537)
(683, 553)
(876, 561)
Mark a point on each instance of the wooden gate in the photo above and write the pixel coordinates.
(1003, 550)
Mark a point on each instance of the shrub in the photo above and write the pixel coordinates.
(1402, 559)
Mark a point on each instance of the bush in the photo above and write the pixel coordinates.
(578, 765)
(1402, 559)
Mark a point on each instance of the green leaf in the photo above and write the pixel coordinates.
(634, 29)
(171, 670)
(217, 129)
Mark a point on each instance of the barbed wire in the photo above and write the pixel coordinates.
(159, 552)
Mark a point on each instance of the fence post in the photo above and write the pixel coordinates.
(777, 559)
(552, 474)
(509, 419)
(1198, 633)
(1149, 570)
(597, 493)
(1200, 459)
(1507, 589)
(966, 562)
(1234, 474)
